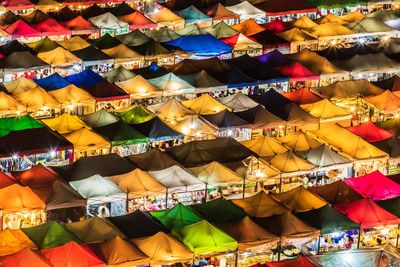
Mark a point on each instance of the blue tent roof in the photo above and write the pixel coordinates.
(52, 82)
(192, 15)
(85, 78)
(203, 44)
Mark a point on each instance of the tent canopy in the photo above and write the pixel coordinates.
(153, 160)
(261, 118)
(221, 30)
(349, 89)
(100, 118)
(204, 105)
(325, 110)
(215, 173)
(386, 102)
(171, 110)
(15, 198)
(171, 84)
(86, 140)
(65, 123)
(157, 130)
(324, 157)
(177, 217)
(265, 146)
(52, 82)
(37, 176)
(25, 257)
(238, 102)
(14, 241)
(302, 96)
(136, 114)
(248, 27)
(336, 193)
(370, 132)
(219, 211)
(192, 15)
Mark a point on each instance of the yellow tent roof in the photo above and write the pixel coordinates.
(299, 141)
(314, 62)
(20, 85)
(257, 169)
(72, 95)
(265, 146)
(86, 140)
(194, 127)
(122, 52)
(12, 241)
(94, 230)
(295, 35)
(163, 249)
(36, 99)
(325, 109)
(139, 87)
(205, 105)
(74, 43)
(138, 183)
(65, 123)
(387, 102)
(332, 18)
(352, 17)
(300, 199)
(347, 142)
(59, 57)
(304, 22)
(330, 29)
(172, 109)
(248, 27)
(291, 164)
(245, 43)
(260, 205)
(215, 173)
(165, 15)
(118, 252)
(10, 106)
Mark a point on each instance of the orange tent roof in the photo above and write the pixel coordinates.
(6, 180)
(36, 176)
(302, 96)
(25, 257)
(248, 27)
(12, 241)
(137, 20)
(15, 198)
(387, 102)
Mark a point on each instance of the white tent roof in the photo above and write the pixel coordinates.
(238, 102)
(108, 21)
(175, 178)
(246, 10)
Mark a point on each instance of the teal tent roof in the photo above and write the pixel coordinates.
(192, 15)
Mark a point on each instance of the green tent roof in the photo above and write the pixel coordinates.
(203, 238)
(119, 74)
(43, 45)
(135, 115)
(50, 235)
(220, 210)
(328, 220)
(121, 134)
(391, 205)
(177, 217)
(26, 122)
(100, 118)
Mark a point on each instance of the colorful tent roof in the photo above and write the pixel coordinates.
(36, 176)
(226, 119)
(203, 82)
(118, 251)
(265, 146)
(238, 102)
(79, 25)
(177, 217)
(52, 27)
(219, 211)
(215, 173)
(98, 189)
(328, 220)
(59, 57)
(108, 21)
(304, 22)
(204, 238)
(176, 178)
(94, 230)
(138, 183)
(74, 43)
(324, 157)
(157, 130)
(219, 12)
(221, 30)
(16, 198)
(171, 110)
(387, 102)
(106, 91)
(65, 123)
(52, 82)
(370, 132)
(246, 10)
(295, 35)
(205, 105)
(119, 74)
(49, 235)
(153, 160)
(72, 254)
(297, 72)
(302, 96)
(20, 85)
(348, 143)
(36, 99)
(13, 241)
(61, 196)
(363, 63)
(166, 17)
(261, 118)
(137, 225)
(21, 29)
(9, 106)
(171, 84)
(369, 25)
(374, 185)
(192, 15)
(84, 140)
(43, 45)
(100, 118)
(331, 29)
(25, 257)
(260, 205)
(122, 53)
(326, 110)
(277, 26)
(163, 249)
(71, 96)
(367, 213)
(137, 20)
(248, 233)
(136, 114)
(248, 27)
(241, 42)
(299, 141)
(336, 193)
(6, 180)
(353, 16)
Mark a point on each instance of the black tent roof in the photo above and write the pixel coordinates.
(121, 9)
(219, 210)
(40, 140)
(133, 38)
(269, 39)
(13, 46)
(22, 60)
(225, 119)
(105, 165)
(91, 53)
(336, 193)
(234, 77)
(93, 11)
(389, 83)
(151, 49)
(260, 117)
(156, 130)
(151, 72)
(189, 66)
(333, 53)
(153, 160)
(104, 89)
(271, 99)
(198, 153)
(137, 224)
(8, 18)
(104, 42)
(390, 146)
(35, 17)
(64, 14)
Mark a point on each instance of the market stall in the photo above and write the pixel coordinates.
(137, 20)
(123, 56)
(87, 143)
(109, 24)
(62, 61)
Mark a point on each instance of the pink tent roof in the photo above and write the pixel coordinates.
(17, 4)
(374, 185)
(297, 72)
(276, 26)
(367, 213)
(370, 132)
(52, 27)
(21, 29)
(302, 96)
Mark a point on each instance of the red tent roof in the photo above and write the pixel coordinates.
(370, 132)
(367, 213)
(72, 254)
(36, 176)
(51, 27)
(297, 72)
(79, 24)
(232, 40)
(137, 20)
(300, 261)
(21, 29)
(17, 4)
(25, 257)
(6, 180)
(302, 96)
(374, 185)
(276, 26)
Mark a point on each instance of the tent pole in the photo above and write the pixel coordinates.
(205, 192)
(359, 238)
(397, 239)
(280, 183)
(127, 202)
(166, 199)
(319, 245)
(237, 257)
(279, 249)
(244, 185)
